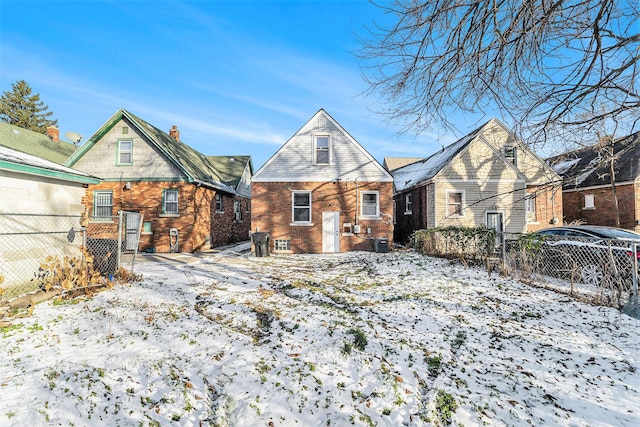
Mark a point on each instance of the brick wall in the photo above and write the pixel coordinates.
(272, 212)
(194, 207)
(407, 224)
(548, 206)
(604, 212)
(225, 229)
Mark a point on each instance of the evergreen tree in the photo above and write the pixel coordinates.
(22, 108)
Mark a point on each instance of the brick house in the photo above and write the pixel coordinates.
(322, 192)
(487, 178)
(587, 195)
(148, 171)
(232, 214)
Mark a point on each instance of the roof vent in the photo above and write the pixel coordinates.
(17, 132)
(231, 159)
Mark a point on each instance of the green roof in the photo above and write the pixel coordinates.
(195, 166)
(231, 168)
(34, 143)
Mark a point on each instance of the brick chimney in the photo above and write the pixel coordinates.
(174, 133)
(53, 133)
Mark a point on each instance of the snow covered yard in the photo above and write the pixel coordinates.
(358, 338)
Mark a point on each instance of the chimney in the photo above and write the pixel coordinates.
(174, 133)
(53, 133)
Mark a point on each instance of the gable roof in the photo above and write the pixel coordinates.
(349, 160)
(34, 143)
(586, 167)
(16, 161)
(231, 168)
(393, 163)
(424, 170)
(193, 164)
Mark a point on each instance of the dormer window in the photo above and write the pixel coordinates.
(321, 149)
(510, 153)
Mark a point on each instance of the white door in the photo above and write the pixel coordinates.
(132, 228)
(495, 220)
(330, 232)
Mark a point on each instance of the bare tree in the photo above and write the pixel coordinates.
(546, 64)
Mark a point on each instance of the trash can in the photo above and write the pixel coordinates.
(261, 243)
(381, 245)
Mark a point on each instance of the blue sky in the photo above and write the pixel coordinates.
(236, 77)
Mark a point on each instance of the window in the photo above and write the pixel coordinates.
(282, 245)
(589, 202)
(530, 207)
(125, 150)
(370, 205)
(146, 227)
(237, 212)
(454, 203)
(510, 153)
(219, 205)
(322, 149)
(407, 204)
(170, 201)
(102, 205)
(301, 201)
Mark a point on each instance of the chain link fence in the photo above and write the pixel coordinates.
(27, 241)
(601, 271)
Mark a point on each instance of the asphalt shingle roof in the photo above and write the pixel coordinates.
(34, 143)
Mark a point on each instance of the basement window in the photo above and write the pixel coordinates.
(282, 245)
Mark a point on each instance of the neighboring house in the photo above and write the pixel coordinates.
(587, 195)
(40, 210)
(48, 147)
(487, 178)
(232, 214)
(393, 163)
(322, 192)
(172, 185)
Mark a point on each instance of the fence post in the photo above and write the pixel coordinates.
(119, 256)
(504, 250)
(634, 272)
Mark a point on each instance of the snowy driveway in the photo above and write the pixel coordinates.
(360, 338)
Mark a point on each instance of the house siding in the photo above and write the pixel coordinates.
(294, 161)
(604, 211)
(274, 213)
(147, 161)
(505, 197)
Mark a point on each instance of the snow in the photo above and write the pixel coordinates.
(229, 339)
(561, 167)
(415, 173)
(13, 156)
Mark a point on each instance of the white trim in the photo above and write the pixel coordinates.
(293, 221)
(362, 194)
(314, 148)
(462, 202)
(481, 181)
(597, 187)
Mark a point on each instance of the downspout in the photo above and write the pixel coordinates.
(356, 181)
